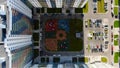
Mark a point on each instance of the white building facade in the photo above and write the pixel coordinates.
(18, 41)
(58, 3)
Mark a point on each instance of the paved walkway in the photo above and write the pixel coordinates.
(116, 31)
(116, 48)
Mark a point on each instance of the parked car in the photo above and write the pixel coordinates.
(106, 26)
(111, 27)
(95, 1)
(112, 35)
(106, 42)
(111, 1)
(112, 14)
(106, 46)
(94, 7)
(105, 6)
(112, 50)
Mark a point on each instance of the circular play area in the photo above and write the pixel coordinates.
(51, 25)
(59, 37)
(51, 44)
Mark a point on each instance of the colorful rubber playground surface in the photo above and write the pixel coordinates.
(63, 35)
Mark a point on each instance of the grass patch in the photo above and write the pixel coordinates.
(54, 10)
(116, 2)
(100, 6)
(76, 44)
(116, 57)
(116, 40)
(86, 59)
(115, 36)
(104, 59)
(88, 47)
(85, 8)
(116, 11)
(89, 38)
(116, 24)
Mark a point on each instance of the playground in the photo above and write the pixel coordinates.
(63, 35)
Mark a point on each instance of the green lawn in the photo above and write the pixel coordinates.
(116, 11)
(86, 59)
(116, 40)
(85, 8)
(116, 24)
(115, 36)
(103, 59)
(116, 2)
(100, 6)
(90, 38)
(76, 44)
(88, 47)
(116, 57)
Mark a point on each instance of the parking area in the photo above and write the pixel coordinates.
(101, 39)
(96, 35)
(99, 6)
